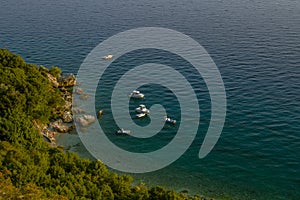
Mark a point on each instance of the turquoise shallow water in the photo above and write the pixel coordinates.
(255, 45)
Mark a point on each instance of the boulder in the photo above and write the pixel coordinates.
(67, 117)
(42, 128)
(53, 80)
(85, 120)
(67, 81)
(51, 134)
(59, 126)
(69, 98)
(68, 105)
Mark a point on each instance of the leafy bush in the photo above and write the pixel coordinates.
(55, 71)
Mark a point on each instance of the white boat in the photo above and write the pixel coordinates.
(170, 121)
(136, 94)
(123, 132)
(142, 109)
(140, 115)
(108, 57)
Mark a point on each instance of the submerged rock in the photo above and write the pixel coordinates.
(78, 111)
(85, 120)
(84, 96)
(79, 91)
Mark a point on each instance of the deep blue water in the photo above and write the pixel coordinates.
(256, 46)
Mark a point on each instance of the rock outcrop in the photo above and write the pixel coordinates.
(67, 81)
(64, 121)
(53, 80)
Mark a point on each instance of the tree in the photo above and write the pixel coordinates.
(55, 71)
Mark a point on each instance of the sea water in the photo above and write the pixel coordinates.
(255, 45)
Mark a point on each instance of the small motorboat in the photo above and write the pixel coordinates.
(123, 132)
(136, 94)
(142, 109)
(108, 57)
(140, 115)
(170, 121)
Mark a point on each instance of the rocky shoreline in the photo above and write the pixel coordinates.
(63, 121)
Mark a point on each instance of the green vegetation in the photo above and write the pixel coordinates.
(29, 167)
(55, 71)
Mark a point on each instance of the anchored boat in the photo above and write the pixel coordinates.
(170, 121)
(142, 109)
(108, 57)
(123, 132)
(136, 94)
(141, 115)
